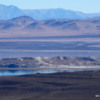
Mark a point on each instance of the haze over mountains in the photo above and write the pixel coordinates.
(9, 12)
(15, 22)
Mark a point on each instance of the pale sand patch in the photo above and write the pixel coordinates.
(53, 40)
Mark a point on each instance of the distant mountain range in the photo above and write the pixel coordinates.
(25, 26)
(15, 22)
(9, 12)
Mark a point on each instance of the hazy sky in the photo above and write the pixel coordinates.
(76, 5)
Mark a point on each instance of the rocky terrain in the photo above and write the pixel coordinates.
(47, 62)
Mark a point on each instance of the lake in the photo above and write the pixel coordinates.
(51, 49)
(25, 72)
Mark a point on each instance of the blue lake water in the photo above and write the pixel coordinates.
(25, 72)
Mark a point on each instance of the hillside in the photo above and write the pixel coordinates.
(59, 86)
(27, 27)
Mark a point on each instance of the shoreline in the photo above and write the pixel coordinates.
(74, 68)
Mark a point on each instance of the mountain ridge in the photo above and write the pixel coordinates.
(25, 26)
(43, 14)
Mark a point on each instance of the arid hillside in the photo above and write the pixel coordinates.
(27, 27)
